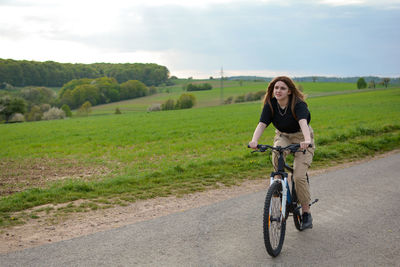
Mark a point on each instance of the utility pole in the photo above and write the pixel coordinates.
(222, 86)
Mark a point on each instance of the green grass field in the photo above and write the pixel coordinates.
(141, 155)
(213, 97)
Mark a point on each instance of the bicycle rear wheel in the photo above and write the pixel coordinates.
(274, 222)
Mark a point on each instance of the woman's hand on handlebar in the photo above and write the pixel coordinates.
(305, 144)
(253, 144)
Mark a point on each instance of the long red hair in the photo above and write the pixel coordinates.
(295, 96)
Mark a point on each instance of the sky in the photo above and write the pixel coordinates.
(198, 38)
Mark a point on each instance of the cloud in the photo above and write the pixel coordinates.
(326, 36)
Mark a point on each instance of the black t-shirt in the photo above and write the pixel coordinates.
(285, 123)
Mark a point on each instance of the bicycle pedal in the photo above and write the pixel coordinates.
(315, 201)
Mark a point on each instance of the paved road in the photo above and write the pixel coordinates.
(356, 222)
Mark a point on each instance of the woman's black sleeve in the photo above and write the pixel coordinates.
(301, 110)
(266, 115)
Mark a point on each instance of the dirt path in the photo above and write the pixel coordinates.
(39, 232)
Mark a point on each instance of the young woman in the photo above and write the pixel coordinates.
(285, 107)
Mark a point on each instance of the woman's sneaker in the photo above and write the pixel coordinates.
(307, 221)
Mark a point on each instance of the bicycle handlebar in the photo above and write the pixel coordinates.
(293, 148)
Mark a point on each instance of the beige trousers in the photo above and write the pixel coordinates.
(301, 162)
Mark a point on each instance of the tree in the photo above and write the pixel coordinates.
(361, 84)
(85, 109)
(314, 78)
(386, 82)
(371, 84)
(133, 89)
(67, 110)
(85, 93)
(35, 114)
(185, 101)
(10, 105)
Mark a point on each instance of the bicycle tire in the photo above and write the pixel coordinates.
(274, 229)
(297, 219)
(297, 215)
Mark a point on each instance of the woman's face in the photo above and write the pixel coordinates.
(281, 91)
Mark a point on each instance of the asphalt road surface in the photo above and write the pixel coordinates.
(356, 222)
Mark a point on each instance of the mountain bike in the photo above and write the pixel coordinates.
(281, 200)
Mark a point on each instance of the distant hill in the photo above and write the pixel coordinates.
(318, 79)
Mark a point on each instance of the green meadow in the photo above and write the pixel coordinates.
(141, 155)
(213, 97)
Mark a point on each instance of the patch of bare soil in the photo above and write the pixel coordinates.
(38, 232)
(18, 175)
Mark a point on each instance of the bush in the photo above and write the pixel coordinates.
(152, 90)
(54, 114)
(361, 84)
(11, 105)
(67, 110)
(117, 111)
(186, 101)
(300, 87)
(371, 84)
(259, 95)
(16, 117)
(229, 100)
(35, 114)
(199, 87)
(168, 105)
(239, 99)
(45, 107)
(85, 109)
(249, 97)
(154, 107)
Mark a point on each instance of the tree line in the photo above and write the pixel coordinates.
(53, 74)
(34, 102)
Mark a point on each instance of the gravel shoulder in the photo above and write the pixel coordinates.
(36, 233)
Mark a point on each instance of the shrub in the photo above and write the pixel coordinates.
(54, 114)
(239, 99)
(371, 84)
(35, 114)
(67, 110)
(117, 111)
(185, 101)
(16, 117)
(168, 105)
(154, 107)
(199, 87)
(11, 105)
(300, 87)
(45, 107)
(259, 95)
(249, 97)
(85, 109)
(152, 90)
(361, 84)
(228, 100)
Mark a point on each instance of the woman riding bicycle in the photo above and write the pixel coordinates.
(285, 107)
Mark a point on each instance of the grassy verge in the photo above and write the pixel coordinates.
(178, 152)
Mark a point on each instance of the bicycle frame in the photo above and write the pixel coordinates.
(286, 194)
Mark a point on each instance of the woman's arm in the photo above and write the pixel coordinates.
(306, 133)
(257, 134)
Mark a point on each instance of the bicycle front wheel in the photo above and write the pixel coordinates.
(274, 220)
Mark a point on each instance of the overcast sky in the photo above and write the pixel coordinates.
(196, 38)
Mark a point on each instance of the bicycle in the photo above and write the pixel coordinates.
(280, 201)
